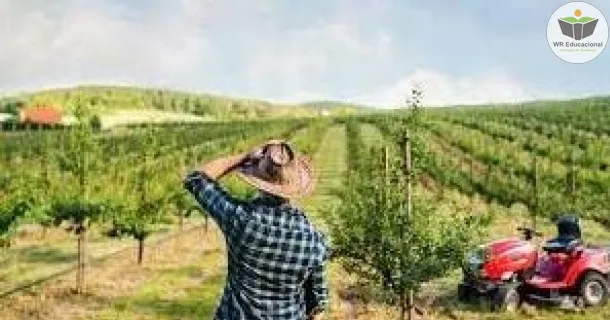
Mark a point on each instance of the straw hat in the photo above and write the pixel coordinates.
(277, 169)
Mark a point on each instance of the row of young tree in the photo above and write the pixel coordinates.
(396, 242)
(79, 183)
(566, 145)
(384, 231)
(501, 172)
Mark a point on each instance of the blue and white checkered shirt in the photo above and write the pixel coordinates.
(276, 258)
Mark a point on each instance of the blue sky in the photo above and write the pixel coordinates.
(366, 51)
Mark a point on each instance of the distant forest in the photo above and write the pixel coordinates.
(105, 99)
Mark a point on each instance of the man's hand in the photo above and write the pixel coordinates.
(257, 152)
(217, 168)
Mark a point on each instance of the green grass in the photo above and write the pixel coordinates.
(182, 292)
(24, 263)
(329, 166)
(370, 135)
(190, 289)
(444, 291)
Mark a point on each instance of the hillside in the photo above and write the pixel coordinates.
(336, 106)
(109, 99)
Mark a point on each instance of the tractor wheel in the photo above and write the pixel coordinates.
(464, 293)
(594, 289)
(506, 299)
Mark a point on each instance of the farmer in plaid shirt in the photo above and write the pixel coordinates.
(276, 258)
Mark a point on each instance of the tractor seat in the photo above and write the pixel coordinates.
(561, 245)
(569, 236)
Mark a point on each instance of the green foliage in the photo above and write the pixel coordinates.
(144, 201)
(11, 210)
(95, 123)
(311, 137)
(138, 219)
(77, 212)
(392, 239)
(374, 236)
(181, 203)
(11, 106)
(106, 99)
(75, 206)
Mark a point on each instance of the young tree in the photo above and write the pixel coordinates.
(77, 207)
(11, 210)
(375, 238)
(182, 204)
(387, 233)
(141, 212)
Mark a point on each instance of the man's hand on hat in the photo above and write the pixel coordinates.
(254, 154)
(258, 152)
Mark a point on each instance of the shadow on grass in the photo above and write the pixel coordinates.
(197, 303)
(480, 308)
(44, 255)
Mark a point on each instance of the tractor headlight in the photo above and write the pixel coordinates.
(506, 276)
(479, 255)
(475, 260)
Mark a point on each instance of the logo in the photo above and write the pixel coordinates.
(577, 28)
(577, 32)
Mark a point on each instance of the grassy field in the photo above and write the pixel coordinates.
(119, 286)
(440, 297)
(31, 258)
(183, 278)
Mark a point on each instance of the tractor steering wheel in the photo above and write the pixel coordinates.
(529, 233)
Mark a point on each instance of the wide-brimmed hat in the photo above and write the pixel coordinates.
(277, 169)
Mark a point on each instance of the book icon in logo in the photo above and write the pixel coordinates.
(577, 28)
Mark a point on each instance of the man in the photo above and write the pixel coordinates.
(276, 258)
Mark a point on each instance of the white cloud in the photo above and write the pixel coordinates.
(261, 48)
(289, 65)
(70, 41)
(442, 89)
(294, 60)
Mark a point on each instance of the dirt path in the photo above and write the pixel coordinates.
(329, 166)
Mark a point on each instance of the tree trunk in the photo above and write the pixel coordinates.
(403, 305)
(409, 195)
(80, 274)
(140, 250)
(181, 221)
(410, 305)
(45, 230)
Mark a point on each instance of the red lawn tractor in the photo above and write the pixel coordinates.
(566, 273)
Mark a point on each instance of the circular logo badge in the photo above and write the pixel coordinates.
(577, 32)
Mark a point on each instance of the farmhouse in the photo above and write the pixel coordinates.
(45, 115)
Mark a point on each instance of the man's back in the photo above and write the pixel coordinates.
(272, 250)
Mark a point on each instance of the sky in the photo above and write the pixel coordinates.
(362, 51)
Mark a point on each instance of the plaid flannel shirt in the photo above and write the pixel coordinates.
(274, 253)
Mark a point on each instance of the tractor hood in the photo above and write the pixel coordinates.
(505, 245)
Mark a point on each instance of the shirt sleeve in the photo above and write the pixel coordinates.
(221, 206)
(319, 284)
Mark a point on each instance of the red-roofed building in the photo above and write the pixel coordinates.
(45, 115)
